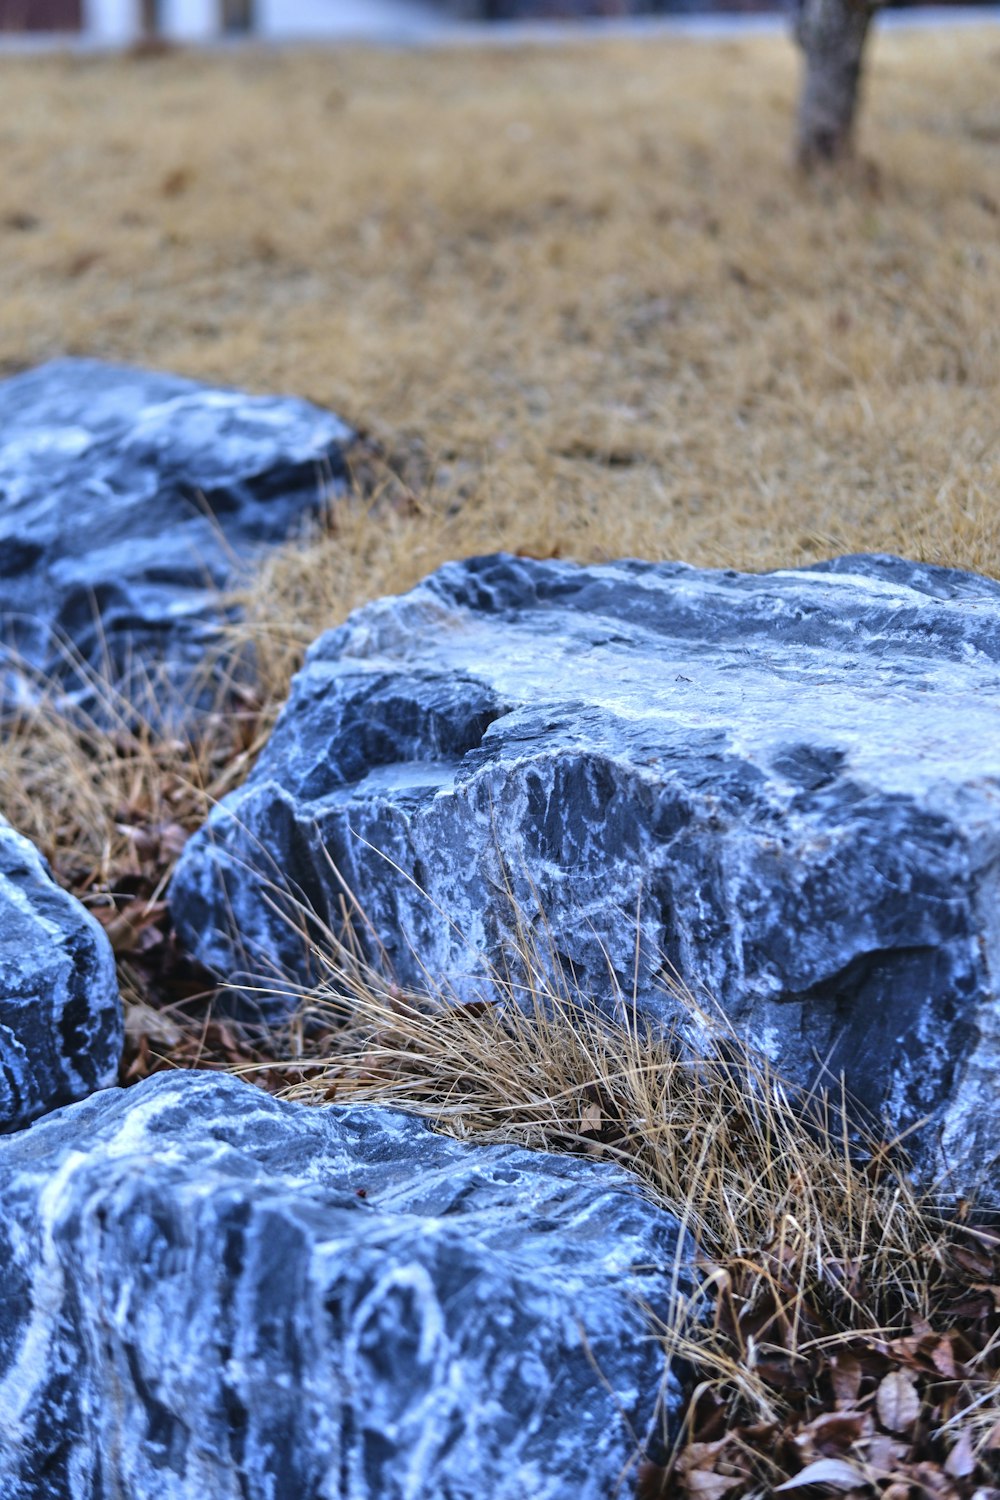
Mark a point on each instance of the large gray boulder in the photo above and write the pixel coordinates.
(211, 1293)
(792, 778)
(128, 499)
(61, 1027)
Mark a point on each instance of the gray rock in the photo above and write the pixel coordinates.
(127, 500)
(61, 1028)
(793, 778)
(211, 1293)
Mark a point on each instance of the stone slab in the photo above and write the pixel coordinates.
(208, 1292)
(61, 1028)
(792, 779)
(128, 500)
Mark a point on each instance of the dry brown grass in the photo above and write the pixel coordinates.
(836, 1286)
(585, 280)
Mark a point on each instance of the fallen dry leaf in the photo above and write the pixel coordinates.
(832, 1429)
(961, 1461)
(710, 1486)
(897, 1402)
(845, 1376)
(834, 1473)
(143, 1020)
(885, 1454)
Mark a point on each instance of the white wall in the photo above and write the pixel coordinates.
(268, 17)
(120, 21)
(111, 21)
(291, 19)
(190, 20)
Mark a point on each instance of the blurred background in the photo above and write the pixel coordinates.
(193, 20)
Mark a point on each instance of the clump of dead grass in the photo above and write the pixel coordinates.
(853, 1324)
(110, 799)
(99, 785)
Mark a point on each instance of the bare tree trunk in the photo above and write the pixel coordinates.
(832, 36)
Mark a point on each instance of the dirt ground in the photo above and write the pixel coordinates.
(580, 294)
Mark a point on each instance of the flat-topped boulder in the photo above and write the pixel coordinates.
(790, 780)
(208, 1292)
(128, 499)
(61, 1027)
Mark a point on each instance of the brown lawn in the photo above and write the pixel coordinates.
(582, 288)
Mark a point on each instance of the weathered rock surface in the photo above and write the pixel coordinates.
(793, 777)
(60, 1015)
(211, 1293)
(127, 500)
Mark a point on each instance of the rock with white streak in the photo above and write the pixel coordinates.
(128, 500)
(61, 1027)
(208, 1292)
(792, 779)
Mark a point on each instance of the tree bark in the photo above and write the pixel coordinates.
(832, 35)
